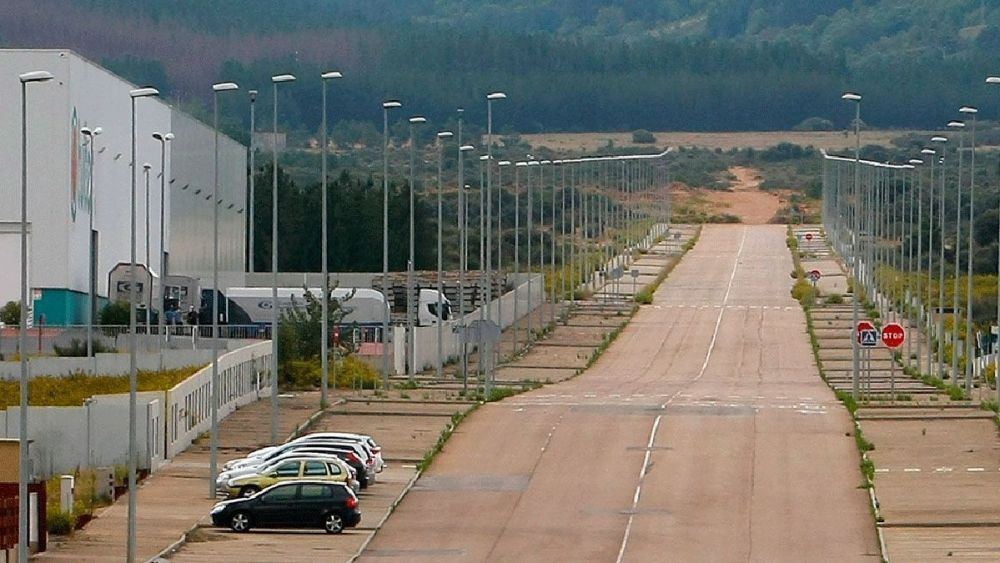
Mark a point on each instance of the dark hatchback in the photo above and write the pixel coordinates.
(297, 504)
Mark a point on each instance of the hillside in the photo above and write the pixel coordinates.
(567, 64)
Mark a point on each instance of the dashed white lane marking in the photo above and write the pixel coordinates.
(976, 469)
(656, 423)
(881, 470)
(911, 470)
(942, 470)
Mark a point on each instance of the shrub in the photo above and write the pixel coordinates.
(114, 314)
(78, 348)
(11, 313)
(835, 299)
(644, 297)
(814, 124)
(59, 523)
(642, 136)
(803, 292)
(350, 373)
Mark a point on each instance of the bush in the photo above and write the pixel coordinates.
(835, 299)
(78, 348)
(814, 124)
(114, 314)
(642, 136)
(59, 523)
(11, 313)
(803, 292)
(644, 297)
(350, 372)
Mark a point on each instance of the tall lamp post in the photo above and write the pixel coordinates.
(216, 202)
(995, 80)
(411, 303)
(463, 244)
(132, 383)
(940, 318)
(970, 346)
(325, 308)
(855, 352)
(500, 166)
(91, 135)
(163, 139)
(490, 98)
(441, 137)
(22, 478)
(275, 312)
(959, 126)
(146, 167)
(386, 106)
(253, 173)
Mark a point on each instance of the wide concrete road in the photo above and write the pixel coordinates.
(703, 434)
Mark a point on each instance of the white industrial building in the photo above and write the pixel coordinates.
(60, 202)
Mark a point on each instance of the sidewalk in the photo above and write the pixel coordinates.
(937, 460)
(174, 498)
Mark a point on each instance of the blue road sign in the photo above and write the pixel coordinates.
(869, 338)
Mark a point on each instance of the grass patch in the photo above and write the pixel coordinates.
(72, 390)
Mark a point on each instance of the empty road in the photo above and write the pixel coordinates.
(703, 434)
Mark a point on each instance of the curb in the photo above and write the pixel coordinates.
(392, 508)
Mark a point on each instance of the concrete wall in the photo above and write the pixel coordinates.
(95, 434)
(501, 311)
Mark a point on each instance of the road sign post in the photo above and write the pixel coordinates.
(893, 336)
(814, 276)
(867, 337)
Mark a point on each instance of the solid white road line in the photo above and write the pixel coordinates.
(656, 422)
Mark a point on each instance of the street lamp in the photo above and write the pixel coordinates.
(995, 80)
(915, 267)
(132, 375)
(253, 172)
(216, 201)
(930, 154)
(490, 98)
(386, 106)
(517, 245)
(855, 352)
(500, 166)
(91, 135)
(441, 137)
(22, 480)
(940, 326)
(969, 345)
(960, 126)
(163, 139)
(463, 255)
(325, 308)
(411, 303)
(275, 80)
(146, 167)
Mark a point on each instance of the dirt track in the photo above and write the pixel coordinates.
(704, 433)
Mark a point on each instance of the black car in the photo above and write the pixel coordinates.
(297, 504)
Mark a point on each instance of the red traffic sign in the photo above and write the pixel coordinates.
(814, 275)
(893, 335)
(809, 236)
(867, 335)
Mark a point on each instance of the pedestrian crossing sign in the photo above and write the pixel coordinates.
(869, 337)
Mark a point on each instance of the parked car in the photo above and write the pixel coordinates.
(369, 443)
(345, 452)
(358, 449)
(297, 504)
(313, 468)
(228, 474)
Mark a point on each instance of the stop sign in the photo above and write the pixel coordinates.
(893, 335)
